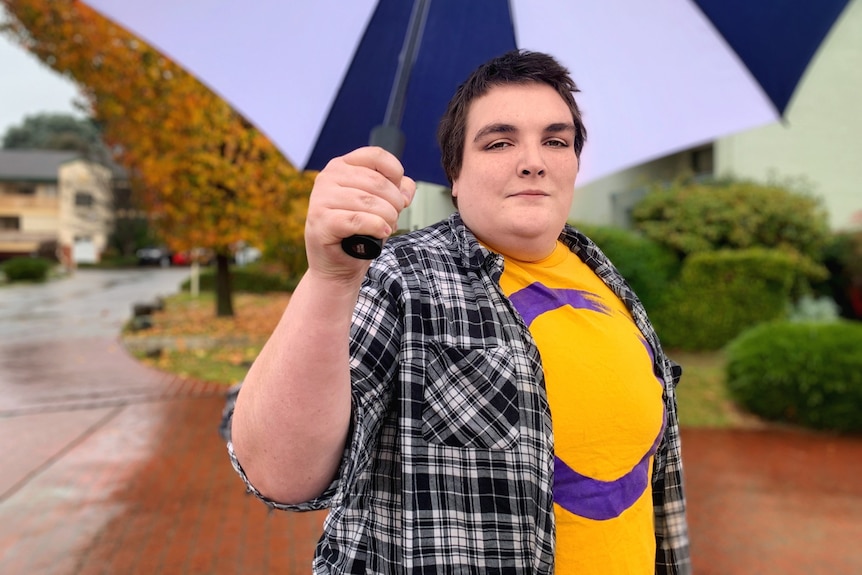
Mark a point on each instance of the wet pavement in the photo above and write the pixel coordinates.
(111, 467)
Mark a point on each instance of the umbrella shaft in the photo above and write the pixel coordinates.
(395, 108)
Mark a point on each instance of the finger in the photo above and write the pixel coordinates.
(346, 223)
(364, 190)
(408, 190)
(385, 206)
(365, 184)
(379, 160)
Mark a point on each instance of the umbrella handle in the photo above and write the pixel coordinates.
(391, 139)
(362, 247)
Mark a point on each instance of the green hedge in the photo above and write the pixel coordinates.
(720, 294)
(695, 216)
(246, 279)
(802, 373)
(648, 267)
(27, 269)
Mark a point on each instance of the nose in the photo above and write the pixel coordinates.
(532, 161)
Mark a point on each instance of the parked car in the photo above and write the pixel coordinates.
(181, 259)
(185, 258)
(154, 256)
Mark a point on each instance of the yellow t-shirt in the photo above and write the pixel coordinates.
(607, 410)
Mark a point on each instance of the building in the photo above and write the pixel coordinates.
(56, 204)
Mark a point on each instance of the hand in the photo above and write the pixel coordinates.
(362, 192)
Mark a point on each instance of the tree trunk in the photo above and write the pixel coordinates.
(224, 293)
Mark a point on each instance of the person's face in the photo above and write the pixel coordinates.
(518, 173)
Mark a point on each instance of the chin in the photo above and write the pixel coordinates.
(536, 226)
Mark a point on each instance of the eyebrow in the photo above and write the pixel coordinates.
(501, 128)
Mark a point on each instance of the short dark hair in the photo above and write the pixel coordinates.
(514, 67)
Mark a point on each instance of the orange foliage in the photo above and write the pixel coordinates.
(204, 173)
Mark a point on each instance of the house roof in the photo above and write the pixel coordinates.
(33, 165)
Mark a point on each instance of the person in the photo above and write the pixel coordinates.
(413, 396)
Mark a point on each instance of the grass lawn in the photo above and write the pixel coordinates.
(195, 343)
(702, 398)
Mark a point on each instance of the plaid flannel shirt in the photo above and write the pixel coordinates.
(449, 467)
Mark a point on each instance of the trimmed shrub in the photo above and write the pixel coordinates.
(694, 216)
(808, 374)
(27, 269)
(720, 294)
(648, 267)
(246, 279)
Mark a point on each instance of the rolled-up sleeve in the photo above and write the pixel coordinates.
(374, 347)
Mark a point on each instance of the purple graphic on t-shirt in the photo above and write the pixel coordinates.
(536, 299)
(602, 500)
(577, 493)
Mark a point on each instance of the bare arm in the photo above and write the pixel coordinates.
(292, 415)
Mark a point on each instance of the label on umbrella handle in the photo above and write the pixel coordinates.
(362, 247)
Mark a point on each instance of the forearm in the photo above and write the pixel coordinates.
(293, 413)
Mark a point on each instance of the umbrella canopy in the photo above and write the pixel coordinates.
(656, 77)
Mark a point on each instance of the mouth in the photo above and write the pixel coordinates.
(530, 194)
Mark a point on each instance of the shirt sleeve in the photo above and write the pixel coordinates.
(375, 337)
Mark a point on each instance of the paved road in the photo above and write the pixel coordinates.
(91, 303)
(58, 340)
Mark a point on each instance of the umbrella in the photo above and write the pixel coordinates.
(656, 77)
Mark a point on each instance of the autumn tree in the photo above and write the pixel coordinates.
(205, 174)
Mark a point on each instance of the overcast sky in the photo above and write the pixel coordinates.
(29, 87)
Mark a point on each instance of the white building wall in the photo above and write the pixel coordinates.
(431, 204)
(608, 200)
(87, 226)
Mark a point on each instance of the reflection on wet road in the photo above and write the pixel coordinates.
(91, 303)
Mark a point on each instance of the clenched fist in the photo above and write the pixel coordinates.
(360, 193)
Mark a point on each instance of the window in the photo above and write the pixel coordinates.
(702, 161)
(84, 200)
(24, 189)
(10, 223)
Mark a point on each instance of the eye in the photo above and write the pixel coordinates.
(557, 143)
(499, 145)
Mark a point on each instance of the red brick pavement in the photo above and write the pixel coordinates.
(774, 501)
(145, 487)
